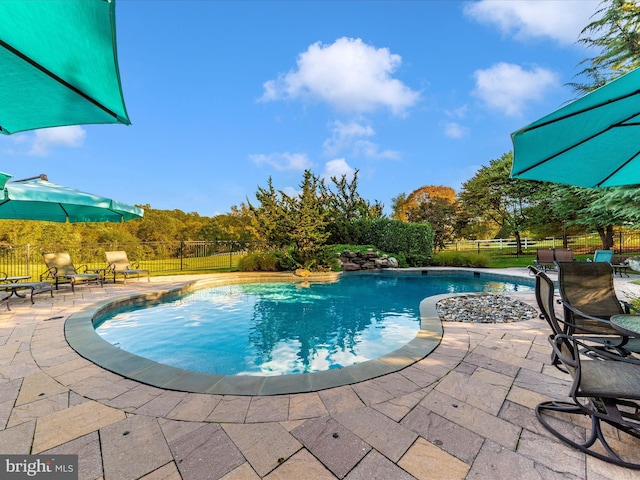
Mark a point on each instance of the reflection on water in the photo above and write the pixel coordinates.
(279, 328)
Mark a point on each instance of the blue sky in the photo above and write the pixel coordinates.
(224, 94)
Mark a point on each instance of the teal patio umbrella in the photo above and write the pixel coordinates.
(58, 64)
(38, 199)
(593, 141)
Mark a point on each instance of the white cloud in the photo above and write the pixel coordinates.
(283, 161)
(46, 139)
(349, 75)
(508, 87)
(367, 149)
(337, 168)
(454, 130)
(344, 134)
(459, 112)
(560, 21)
(349, 136)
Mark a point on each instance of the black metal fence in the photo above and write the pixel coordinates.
(157, 257)
(165, 258)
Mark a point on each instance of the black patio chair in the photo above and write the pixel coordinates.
(544, 259)
(605, 388)
(589, 301)
(604, 337)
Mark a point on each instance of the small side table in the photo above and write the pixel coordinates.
(620, 269)
(627, 324)
(15, 279)
(12, 280)
(100, 271)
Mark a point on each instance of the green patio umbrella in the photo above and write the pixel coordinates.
(38, 199)
(591, 142)
(58, 64)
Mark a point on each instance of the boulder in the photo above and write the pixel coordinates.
(350, 267)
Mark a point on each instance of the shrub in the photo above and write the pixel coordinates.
(259, 262)
(460, 259)
(413, 240)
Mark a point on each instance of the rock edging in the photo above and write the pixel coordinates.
(484, 309)
(351, 261)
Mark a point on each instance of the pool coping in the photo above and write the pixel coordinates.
(81, 335)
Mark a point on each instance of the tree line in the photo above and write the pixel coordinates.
(493, 205)
(489, 205)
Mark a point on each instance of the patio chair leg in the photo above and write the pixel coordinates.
(596, 432)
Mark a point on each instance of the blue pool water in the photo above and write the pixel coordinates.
(282, 328)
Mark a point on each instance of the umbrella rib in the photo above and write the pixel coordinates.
(599, 184)
(610, 127)
(66, 214)
(545, 160)
(57, 78)
(593, 107)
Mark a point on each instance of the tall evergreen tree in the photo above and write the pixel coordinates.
(308, 223)
(345, 208)
(615, 36)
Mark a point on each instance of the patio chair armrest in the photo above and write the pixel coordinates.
(566, 305)
(555, 345)
(112, 267)
(593, 352)
(82, 268)
(3, 277)
(49, 273)
(582, 348)
(628, 308)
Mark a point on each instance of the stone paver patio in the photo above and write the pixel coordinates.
(466, 411)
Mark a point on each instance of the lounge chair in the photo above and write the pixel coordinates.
(602, 256)
(61, 268)
(605, 388)
(563, 255)
(11, 285)
(546, 258)
(119, 265)
(606, 339)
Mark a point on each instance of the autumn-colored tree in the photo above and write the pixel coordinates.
(434, 204)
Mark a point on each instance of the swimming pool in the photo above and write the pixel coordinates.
(285, 328)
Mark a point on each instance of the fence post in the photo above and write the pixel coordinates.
(619, 243)
(181, 253)
(28, 254)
